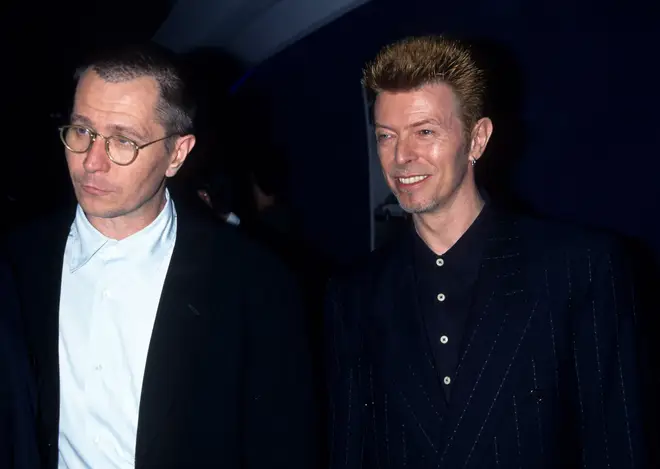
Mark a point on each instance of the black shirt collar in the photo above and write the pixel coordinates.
(463, 259)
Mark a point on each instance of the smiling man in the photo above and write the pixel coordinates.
(158, 337)
(481, 339)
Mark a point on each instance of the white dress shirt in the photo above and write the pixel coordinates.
(109, 297)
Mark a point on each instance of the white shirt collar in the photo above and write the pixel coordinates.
(88, 241)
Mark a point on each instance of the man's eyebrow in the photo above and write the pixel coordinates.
(414, 124)
(126, 131)
(378, 124)
(80, 119)
(425, 122)
(117, 129)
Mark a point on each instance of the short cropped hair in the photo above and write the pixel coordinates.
(414, 62)
(176, 107)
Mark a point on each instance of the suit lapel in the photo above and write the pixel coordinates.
(47, 348)
(184, 316)
(499, 321)
(401, 343)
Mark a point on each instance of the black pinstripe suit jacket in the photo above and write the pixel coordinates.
(548, 370)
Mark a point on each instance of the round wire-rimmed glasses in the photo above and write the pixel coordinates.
(121, 150)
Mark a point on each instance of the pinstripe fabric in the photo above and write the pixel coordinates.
(547, 375)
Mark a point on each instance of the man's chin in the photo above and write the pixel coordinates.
(416, 207)
(94, 209)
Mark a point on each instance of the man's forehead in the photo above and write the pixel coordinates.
(435, 94)
(91, 85)
(129, 100)
(436, 105)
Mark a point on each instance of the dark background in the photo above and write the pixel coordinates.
(574, 97)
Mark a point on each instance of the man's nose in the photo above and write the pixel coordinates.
(97, 158)
(403, 153)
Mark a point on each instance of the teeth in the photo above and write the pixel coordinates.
(412, 180)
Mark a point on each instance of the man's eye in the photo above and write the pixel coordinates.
(426, 132)
(123, 142)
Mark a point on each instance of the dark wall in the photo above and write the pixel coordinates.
(575, 131)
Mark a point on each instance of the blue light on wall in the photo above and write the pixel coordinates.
(234, 88)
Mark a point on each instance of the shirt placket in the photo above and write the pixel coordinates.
(98, 350)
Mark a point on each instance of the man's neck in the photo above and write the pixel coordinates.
(440, 230)
(122, 227)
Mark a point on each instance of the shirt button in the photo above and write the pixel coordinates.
(98, 367)
(447, 380)
(440, 262)
(96, 440)
(441, 297)
(106, 294)
(444, 339)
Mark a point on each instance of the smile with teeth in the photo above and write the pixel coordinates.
(411, 179)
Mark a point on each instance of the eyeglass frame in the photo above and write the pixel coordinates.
(93, 134)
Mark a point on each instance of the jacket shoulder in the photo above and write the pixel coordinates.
(30, 238)
(550, 236)
(221, 244)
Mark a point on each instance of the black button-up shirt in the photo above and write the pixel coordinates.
(445, 286)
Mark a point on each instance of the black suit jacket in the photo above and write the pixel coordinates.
(228, 374)
(548, 369)
(18, 444)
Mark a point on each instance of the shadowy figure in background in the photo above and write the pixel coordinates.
(211, 73)
(238, 169)
(217, 192)
(268, 183)
(272, 220)
(246, 171)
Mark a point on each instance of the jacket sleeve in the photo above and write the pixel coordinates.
(346, 420)
(18, 444)
(606, 363)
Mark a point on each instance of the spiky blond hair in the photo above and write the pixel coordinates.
(414, 62)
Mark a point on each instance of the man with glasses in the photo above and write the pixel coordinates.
(157, 338)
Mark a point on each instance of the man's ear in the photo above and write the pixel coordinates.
(182, 148)
(480, 136)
